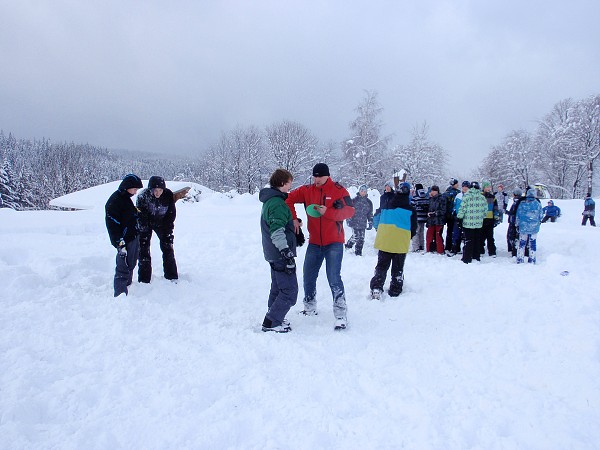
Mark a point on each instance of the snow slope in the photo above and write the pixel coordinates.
(491, 355)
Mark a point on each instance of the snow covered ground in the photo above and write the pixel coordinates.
(491, 355)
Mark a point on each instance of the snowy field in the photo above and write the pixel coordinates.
(491, 355)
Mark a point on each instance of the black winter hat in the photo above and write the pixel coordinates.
(466, 184)
(131, 181)
(320, 170)
(475, 185)
(156, 182)
(453, 181)
(418, 186)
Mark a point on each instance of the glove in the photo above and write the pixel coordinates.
(169, 239)
(122, 249)
(288, 259)
(338, 204)
(369, 225)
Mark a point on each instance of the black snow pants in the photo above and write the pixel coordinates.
(383, 264)
(168, 255)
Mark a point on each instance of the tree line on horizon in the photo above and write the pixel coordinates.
(559, 154)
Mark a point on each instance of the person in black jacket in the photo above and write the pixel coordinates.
(121, 223)
(156, 213)
(435, 221)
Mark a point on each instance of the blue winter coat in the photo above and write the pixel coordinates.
(551, 211)
(529, 216)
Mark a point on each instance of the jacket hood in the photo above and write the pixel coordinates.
(268, 193)
(130, 181)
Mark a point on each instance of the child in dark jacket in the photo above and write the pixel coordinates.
(121, 224)
(435, 220)
(156, 214)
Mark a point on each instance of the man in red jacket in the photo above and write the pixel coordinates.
(326, 240)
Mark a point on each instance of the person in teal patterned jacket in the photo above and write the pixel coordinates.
(471, 213)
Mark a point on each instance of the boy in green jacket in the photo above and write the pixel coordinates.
(471, 213)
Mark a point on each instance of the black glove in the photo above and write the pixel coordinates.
(338, 204)
(300, 239)
(369, 225)
(460, 222)
(169, 239)
(288, 259)
(122, 249)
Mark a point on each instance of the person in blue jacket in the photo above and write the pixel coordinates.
(528, 220)
(589, 210)
(551, 212)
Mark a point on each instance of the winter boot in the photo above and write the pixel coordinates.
(268, 326)
(340, 324)
(375, 294)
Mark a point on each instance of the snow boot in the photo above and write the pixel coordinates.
(340, 324)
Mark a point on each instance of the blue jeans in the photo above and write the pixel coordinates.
(332, 254)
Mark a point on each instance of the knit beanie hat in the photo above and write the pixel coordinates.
(531, 193)
(156, 182)
(486, 184)
(363, 188)
(320, 170)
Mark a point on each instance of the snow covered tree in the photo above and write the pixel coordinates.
(292, 146)
(584, 128)
(424, 161)
(557, 163)
(249, 159)
(364, 153)
(513, 161)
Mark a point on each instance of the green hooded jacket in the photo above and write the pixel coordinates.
(473, 209)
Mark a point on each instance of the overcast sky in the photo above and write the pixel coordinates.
(171, 76)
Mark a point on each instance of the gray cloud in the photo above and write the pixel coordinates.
(170, 77)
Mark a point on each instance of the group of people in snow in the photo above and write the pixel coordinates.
(130, 229)
(469, 214)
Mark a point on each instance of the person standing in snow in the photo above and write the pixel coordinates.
(450, 194)
(420, 202)
(457, 230)
(490, 221)
(279, 249)
(361, 220)
(326, 239)
(589, 210)
(551, 212)
(435, 220)
(528, 220)
(396, 225)
(502, 201)
(121, 224)
(472, 211)
(512, 234)
(157, 213)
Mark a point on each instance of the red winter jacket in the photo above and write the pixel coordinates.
(328, 228)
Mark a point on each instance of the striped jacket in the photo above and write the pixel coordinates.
(397, 225)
